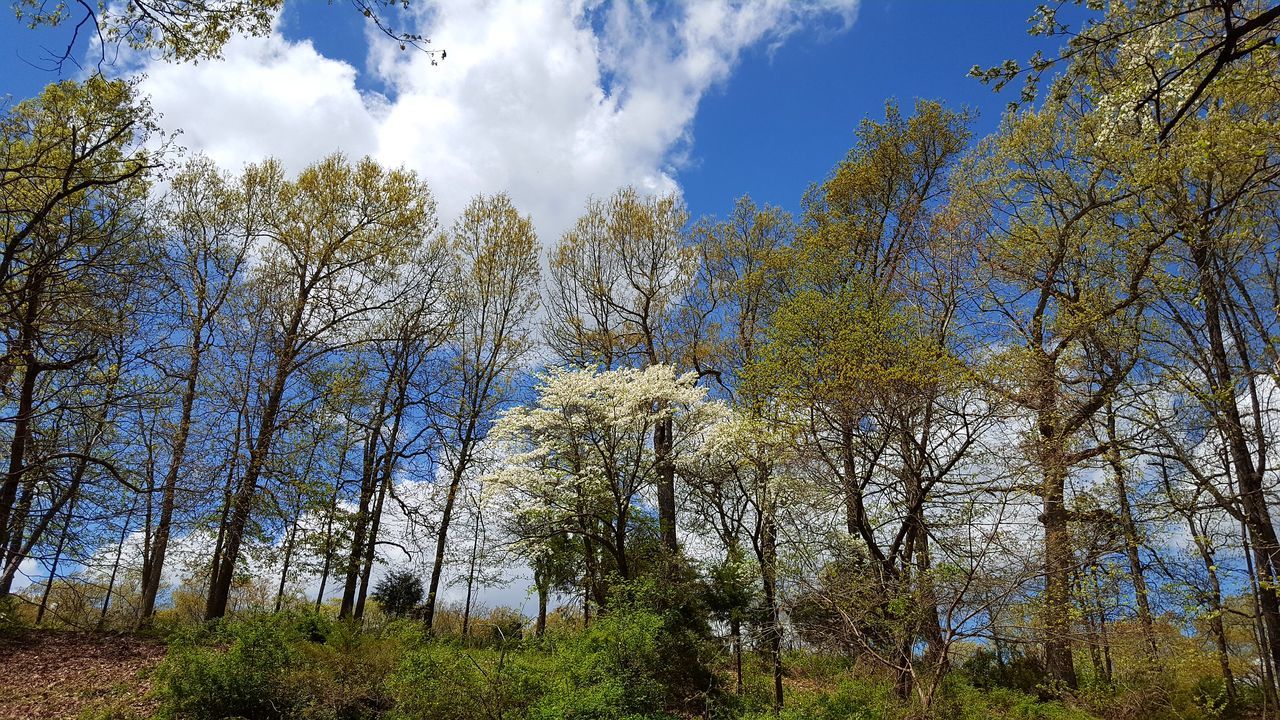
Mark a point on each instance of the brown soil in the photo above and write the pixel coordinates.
(55, 674)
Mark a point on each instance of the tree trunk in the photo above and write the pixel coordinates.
(1248, 475)
(735, 637)
(471, 582)
(368, 486)
(371, 547)
(115, 566)
(1132, 543)
(328, 526)
(1103, 634)
(153, 569)
(663, 444)
(9, 523)
(238, 522)
(1216, 627)
(1260, 627)
(288, 557)
(1058, 561)
(442, 535)
(225, 564)
(57, 557)
(767, 555)
(540, 628)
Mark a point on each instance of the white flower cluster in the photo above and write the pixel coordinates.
(588, 435)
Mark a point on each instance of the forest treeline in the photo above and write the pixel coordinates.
(1005, 403)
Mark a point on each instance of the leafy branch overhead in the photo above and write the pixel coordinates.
(189, 30)
(1160, 58)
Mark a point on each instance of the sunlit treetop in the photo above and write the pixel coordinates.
(1155, 58)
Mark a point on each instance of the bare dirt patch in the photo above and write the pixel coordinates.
(57, 674)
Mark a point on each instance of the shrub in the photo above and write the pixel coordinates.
(683, 640)
(240, 674)
(858, 699)
(398, 593)
(345, 677)
(448, 682)
(608, 672)
(314, 626)
(12, 621)
(1017, 670)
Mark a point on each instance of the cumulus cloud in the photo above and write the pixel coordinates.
(267, 98)
(550, 100)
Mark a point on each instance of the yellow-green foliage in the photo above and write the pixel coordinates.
(311, 667)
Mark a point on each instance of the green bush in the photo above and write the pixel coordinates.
(1016, 705)
(235, 669)
(434, 683)
(1018, 670)
(11, 619)
(857, 699)
(345, 677)
(673, 594)
(609, 672)
(447, 682)
(398, 593)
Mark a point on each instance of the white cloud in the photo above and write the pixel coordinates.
(268, 98)
(549, 100)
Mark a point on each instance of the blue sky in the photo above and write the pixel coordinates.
(777, 117)
(784, 121)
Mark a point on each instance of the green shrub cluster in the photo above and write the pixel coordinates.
(625, 666)
(304, 666)
(234, 669)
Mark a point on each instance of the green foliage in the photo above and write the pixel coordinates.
(177, 29)
(856, 699)
(965, 703)
(1016, 670)
(398, 593)
(670, 589)
(628, 665)
(447, 682)
(609, 672)
(235, 669)
(303, 665)
(436, 681)
(11, 620)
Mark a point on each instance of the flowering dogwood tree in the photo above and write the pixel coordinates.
(580, 465)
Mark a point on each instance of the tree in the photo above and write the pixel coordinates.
(1212, 192)
(580, 459)
(398, 593)
(739, 284)
(495, 289)
(334, 237)
(860, 351)
(1067, 273)
(618, 281)
(750, 455)
(210, 224)
(399, 361)
(1156, 61)
(73, 181)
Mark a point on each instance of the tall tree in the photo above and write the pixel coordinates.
(74, 181)
(401, 367)
(619, 279)
(333, 238)
(1066, 274)
(580, 458)
(495, 291)
(209, 225)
